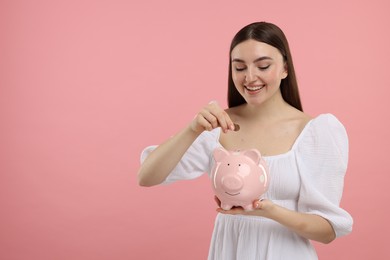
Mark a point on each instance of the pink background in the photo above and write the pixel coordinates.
(86, 85)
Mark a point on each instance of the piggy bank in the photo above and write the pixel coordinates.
(239, 177)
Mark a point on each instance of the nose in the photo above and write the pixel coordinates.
(250, 75)
(232, 183)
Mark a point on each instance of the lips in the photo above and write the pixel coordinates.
(254, 88)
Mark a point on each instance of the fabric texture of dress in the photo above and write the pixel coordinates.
(309, 178)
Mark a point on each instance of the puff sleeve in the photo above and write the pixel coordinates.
(322, 159)
(195, 161)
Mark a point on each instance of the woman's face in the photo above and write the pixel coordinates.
(257, 70)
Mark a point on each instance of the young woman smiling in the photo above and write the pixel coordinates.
(307, 156)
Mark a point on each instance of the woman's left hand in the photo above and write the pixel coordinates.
(310, 226)
(261, 208)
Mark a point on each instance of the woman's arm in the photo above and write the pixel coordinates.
(309, 226)
(159, 164)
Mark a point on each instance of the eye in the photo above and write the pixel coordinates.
(264, 67)
(239, 69)
(228, 164)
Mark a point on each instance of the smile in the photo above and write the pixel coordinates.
(232, 194)
(254, 88)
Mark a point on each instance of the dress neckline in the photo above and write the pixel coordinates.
(293, 147)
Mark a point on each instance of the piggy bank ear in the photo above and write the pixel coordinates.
(220, 153)
(253, 154)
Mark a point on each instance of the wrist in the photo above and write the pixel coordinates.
(191, 132)
(194, 130)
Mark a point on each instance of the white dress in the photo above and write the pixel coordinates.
(309, 178)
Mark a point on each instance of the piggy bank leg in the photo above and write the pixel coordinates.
(248, 207)
(226, 206)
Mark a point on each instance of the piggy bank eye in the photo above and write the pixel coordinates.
(228, 164)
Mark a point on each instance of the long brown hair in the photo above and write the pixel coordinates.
(274, 36)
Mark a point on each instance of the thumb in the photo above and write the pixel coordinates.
(258, 204)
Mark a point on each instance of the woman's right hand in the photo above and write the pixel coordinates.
(160, 163)
(210, 117)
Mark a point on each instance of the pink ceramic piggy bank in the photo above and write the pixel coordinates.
(239, 177)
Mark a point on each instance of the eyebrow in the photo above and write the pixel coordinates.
(256, 60)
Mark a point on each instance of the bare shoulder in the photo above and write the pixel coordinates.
(303, 118)
(298, 119)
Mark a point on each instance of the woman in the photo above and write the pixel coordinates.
(307, 157)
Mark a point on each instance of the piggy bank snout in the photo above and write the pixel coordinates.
(232, 183)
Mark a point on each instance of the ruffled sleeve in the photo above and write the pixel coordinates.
(196, 160)
(322, 159)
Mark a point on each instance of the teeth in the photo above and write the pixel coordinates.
(254, 88)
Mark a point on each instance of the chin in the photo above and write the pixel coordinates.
(255, 103)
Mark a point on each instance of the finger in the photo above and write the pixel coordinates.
(229, 123)
(204, 123)
(215, 113)
(211, 119)
(222, 117)
(217, 117)
(258, 204)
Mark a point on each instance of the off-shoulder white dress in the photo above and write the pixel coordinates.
(309, 178)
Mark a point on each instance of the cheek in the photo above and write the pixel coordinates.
(238, 81)
(244, 170)
(273, 78)
(238, 78)
(272, 74)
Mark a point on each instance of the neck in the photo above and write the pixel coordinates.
(273, 109)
